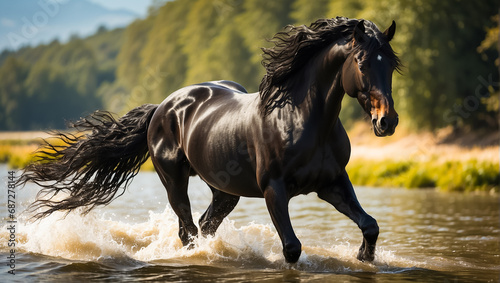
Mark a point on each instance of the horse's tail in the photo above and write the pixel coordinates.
(91, 164)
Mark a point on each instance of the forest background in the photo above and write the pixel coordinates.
(449, 49)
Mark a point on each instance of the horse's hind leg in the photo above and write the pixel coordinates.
(342, 196)
(222, 204)
(175, 176)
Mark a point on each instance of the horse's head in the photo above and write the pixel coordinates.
(367, 75)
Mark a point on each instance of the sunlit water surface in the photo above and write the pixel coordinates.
(425, 236)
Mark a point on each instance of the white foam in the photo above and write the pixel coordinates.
(93, 237)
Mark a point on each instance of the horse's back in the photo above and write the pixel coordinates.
(229, 84)
(206, 126)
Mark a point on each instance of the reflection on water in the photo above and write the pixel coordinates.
(425, 236)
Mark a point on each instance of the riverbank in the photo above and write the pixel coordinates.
(445, 160)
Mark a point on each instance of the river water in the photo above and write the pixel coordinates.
(425, 236)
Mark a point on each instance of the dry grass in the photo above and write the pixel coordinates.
(438, 147)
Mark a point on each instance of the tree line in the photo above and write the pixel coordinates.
(449, 49)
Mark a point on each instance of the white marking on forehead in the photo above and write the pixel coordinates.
(379, 57)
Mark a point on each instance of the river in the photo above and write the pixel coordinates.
(425, 236)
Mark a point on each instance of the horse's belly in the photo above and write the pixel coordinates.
(233, 178)
(223, 165)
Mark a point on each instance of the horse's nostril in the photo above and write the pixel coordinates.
(383, 124)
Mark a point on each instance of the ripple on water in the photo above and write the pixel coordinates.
(438, 239)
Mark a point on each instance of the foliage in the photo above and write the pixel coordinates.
(448, 49)
(44, 86)
(453, 175)
(12, 92)
(17, 154)
(437, 42)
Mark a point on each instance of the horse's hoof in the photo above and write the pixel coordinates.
(364, 255)
(292, 258)
(292, 253)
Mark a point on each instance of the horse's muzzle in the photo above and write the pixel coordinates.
(384, 126)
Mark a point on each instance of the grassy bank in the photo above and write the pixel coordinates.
(448, 175)
(452, 175)
(19, 153)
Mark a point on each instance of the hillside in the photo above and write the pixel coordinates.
(44, 86)
(449, 76)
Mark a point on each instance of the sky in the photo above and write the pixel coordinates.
(33, 22)
(138, 6)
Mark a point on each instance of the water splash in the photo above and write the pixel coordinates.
(254, 246)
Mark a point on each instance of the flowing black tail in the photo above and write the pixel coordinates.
(92, 164)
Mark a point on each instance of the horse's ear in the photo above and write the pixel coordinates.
(389, 32)
(359, 32)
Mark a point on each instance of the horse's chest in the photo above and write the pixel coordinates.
(315, 170)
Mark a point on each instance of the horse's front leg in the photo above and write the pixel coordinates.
(277, 203)
(341, 195)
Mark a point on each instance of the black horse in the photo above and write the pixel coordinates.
(281, 142)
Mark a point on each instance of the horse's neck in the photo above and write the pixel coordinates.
(324, 100)
(319, 111)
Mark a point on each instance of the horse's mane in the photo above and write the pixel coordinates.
(285, 63)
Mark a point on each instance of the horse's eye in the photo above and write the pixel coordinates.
(362, 66)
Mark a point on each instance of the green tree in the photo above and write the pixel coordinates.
(260, 20)
(447, 48)
(305, 12)
(444, 68)
(203, 25)
(13, 74)
(349, 9)
(489, 49)
(164, 64)
(61, 86)
(129, 58)
(227, 58)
